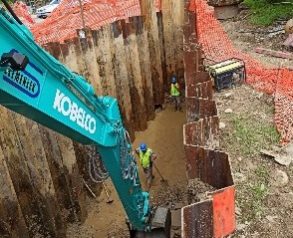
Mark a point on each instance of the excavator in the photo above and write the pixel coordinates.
(36, 85)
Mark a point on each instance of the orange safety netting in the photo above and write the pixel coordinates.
(23, 14)
(66, 18)
(217, 46)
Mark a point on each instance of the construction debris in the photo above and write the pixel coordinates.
(222, 125)
(228, 110)
(280, 178)
(228, 95)
(279, 156)
(273, 53)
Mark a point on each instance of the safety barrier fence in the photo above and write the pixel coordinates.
(217, 46)
(23, 14)
(71, 15)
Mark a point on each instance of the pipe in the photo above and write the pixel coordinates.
(6, 4)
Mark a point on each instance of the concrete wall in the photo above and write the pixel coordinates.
(42, 172)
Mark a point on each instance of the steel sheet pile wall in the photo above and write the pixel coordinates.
(42, 186)
(39, 180)
(41, 172)
(117, 61)
(214, 217)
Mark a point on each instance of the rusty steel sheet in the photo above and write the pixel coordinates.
(190, 63)
(214, 217)
(197, 108)
(210, 166)
(200, 90)
(203, 132)
(224, 219)
(197, 220)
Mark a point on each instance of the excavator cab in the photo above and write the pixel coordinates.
(14, 60)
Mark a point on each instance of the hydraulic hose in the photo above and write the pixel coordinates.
(96, 169)
(6, 4)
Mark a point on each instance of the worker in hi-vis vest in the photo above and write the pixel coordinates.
(175, 93)
(146, 159)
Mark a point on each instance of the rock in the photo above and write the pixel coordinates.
(271, 218)
(239, 177)
(259, 95)
(283, 160)
(280, 178)
(228, 110)
(228, 95)
(222, 125)
(238, 211)
(289, 149)
(240, 226)
(289, 26)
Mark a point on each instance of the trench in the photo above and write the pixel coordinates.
(132, 60)
(164, 135)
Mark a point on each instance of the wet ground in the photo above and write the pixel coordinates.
(165, 136)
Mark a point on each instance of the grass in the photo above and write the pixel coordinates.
(252, 202)
(249, 134)
(265, 13)
(252, 135)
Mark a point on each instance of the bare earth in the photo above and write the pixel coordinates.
(264, 188)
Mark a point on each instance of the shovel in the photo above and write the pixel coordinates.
(162, 178)
(109, 199)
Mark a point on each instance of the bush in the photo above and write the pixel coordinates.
(265, 12)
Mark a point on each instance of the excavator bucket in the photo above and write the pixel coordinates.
(161, 225)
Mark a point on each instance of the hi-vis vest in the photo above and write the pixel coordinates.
(145, 158)
(175, 90)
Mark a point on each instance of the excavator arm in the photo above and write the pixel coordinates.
(36, 85)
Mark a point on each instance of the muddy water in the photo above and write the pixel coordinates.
(164, 136)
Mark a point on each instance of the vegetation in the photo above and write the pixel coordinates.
(265, 12)
(253, 134)
(253, 199)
